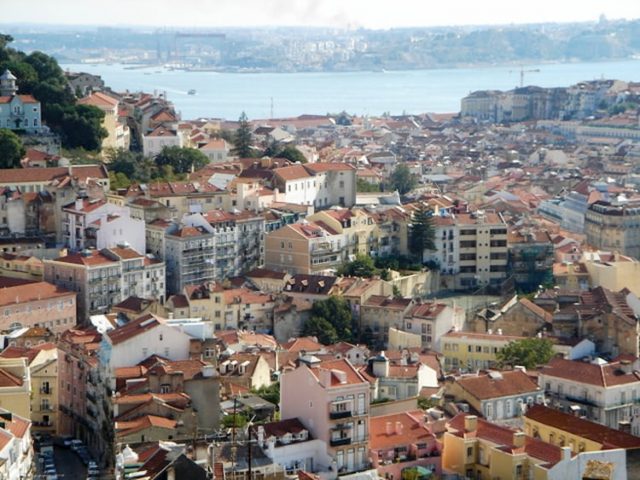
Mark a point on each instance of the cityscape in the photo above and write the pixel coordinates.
(337, 293)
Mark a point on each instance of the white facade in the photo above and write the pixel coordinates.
(96, 224)
(152, 144)
(164, 340)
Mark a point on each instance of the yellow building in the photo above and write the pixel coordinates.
(472, 351)
(481, 450)
(612, 271)
(15, 386)
(563, 429)
(117, 133)
(42, 362)
(44, 389)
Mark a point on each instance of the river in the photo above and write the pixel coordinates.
(226, 95)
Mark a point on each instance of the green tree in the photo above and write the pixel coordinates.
(361, 266)
(364, 186)
(402, 180)
(81, 127)
(331, 320)
(321, 328)
(421, 232)
(11, 149)
(243, 139)
(182, 160)
(528, 352)
(292, 154)
(270, 393)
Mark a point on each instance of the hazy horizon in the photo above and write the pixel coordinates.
(308, 13)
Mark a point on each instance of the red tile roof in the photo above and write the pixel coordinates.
(134, 328)
(352, 376)
(608, 437)
(610, 374)
(8, 379)
(508, 383)
(139, 424)
(32, 292)
(42, 175)
(405, 429)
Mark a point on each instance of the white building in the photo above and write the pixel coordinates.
(321, 185)
(153, 142)
(94, 223)
(602, 392)
(288, 444)
(148, 335)
(217, 150)
(16, 450)
(17, 112)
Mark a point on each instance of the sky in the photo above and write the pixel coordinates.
(332, 13)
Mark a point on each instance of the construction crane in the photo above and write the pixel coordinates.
(522, 72)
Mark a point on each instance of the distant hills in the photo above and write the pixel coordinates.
(316, 49)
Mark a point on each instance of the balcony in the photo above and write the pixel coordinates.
(336, 415)
(91, 397)
(339, 442)
(46, 390)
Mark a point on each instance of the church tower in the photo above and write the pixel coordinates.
(8, 86)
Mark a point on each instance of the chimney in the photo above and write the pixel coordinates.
(566, 453)
(325, 377)
(261, 436)
(518, 439)
(208, 371)
(389, 428)
(470, 423)
(78, 204)
(399, 428)
(626, 366)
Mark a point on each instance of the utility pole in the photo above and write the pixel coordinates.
(249, 454)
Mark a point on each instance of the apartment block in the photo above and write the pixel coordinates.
(25, 304)
(94, 223)
(333, 406)
(103, 278)
(602, 392)
(471, 249)
(614, 226)
(190, 257)
(472, 351)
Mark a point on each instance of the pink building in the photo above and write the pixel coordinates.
(24, 303)
(78, 384)
(331, 399)
(400, 441)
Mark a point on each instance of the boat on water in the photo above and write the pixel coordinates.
(191, 92)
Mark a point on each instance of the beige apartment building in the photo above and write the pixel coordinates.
(25, 304)
(333, 406)
(614, 227)
(471, 249)
(103, 278)
(118, 133)
(307, 247)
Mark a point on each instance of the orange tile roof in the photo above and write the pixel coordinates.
(134, 328)
(139, 424)
(91, 259)
(42, 175)
(608, 437)
(412, 430)
(306, 344)
(23, 98)
(484, 387)
(293, 172)
(607, 375)
(32, 292)
(549, 454)
(8, 379)
(353, 377)
(99, 99)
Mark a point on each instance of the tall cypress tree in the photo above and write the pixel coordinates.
(242, 138)
(422, 232)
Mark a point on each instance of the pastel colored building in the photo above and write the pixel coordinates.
(333, 406)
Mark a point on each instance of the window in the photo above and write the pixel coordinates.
(165, 388)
